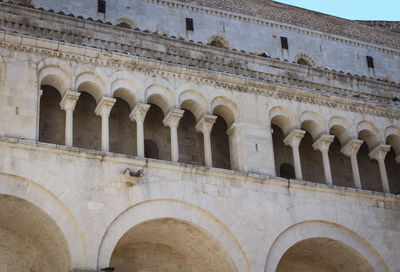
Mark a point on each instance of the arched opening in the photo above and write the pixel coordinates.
(393, 171)
(151, 150)
(30, 239)
(124, 25)
(190, 141)
(156, 134)
(287, 171)
(342, 174)
(283, 154)
(220, 144)
(87, 125)
(311, 159)
(303, 61)
(323, 255)
(368, 168)
(169, 245)
(52, 117)
(122, 129)
(219, 42)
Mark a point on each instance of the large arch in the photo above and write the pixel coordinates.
(178, 211)
(50, 205)
(323, 230)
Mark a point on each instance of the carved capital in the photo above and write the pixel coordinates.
(173, 117)
(206, 123)
(379, 152)
(139, 112)
(232, 128)
(294, 138)
(68, 101)
(104, 106)
(323, 143)
(351, 148)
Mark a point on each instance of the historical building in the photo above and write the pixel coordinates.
(204, 135)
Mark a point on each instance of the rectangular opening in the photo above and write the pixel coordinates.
(370, 62)
(284, 43)
(101, 6)
(189, 24)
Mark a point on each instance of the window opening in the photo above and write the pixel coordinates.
(284, 43)
(189, 24)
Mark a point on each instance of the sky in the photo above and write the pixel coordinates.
(388, 10)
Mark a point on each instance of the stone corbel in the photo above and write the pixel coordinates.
(131, 177)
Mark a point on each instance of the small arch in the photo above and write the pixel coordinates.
(225, 108)
(341, 128)
(126, 90)
(368, 132)
(218, 41)
(92, 84)
(160, 96)
(282, 153)
(313, 124)
(56, 77)
(303, 58)
(126, 23)
(194, 102)
(283, 118)
(392, 136)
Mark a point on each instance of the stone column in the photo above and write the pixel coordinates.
(103, 109)
(293, 140)
(379, 154)
(205, 125)
(350, 150)
(322, 144)
(68, 103)
(172, 120)
(139, 114)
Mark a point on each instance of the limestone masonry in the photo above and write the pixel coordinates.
(214, 135)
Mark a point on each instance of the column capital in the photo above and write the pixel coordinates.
(206, 123)
(231, 129)
(379, 152)
(351, 147)
(105, 105)
(294, 137)
(139, 112)
(323, 143)
(173, 117)
(68, 101)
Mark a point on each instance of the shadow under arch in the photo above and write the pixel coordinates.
(172, 209)
(322, 229)
(37, 195)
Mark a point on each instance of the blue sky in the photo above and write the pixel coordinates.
(388, 10)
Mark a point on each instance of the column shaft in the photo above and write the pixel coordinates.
(356, 173)
(382, 171)
(140, 138)
(327, 167)
(105, 143)
(207, 149)
(174, 144)
(69, 127)
(297, 163)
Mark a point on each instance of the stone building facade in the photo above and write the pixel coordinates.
(213, 135)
